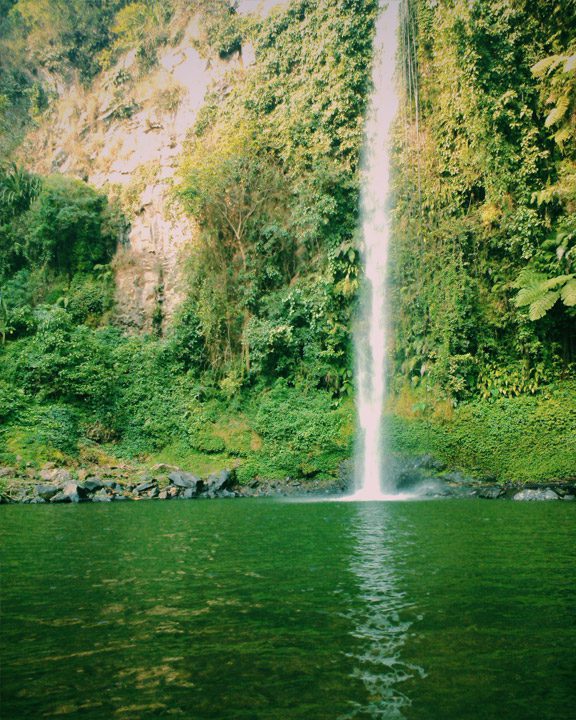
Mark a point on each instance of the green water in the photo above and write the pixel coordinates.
(448, 610)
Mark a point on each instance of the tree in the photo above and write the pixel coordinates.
(229, 184)
(232, 187)
(18, 189)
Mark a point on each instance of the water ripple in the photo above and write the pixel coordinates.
(380, 615)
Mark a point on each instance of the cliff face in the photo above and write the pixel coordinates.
(124, 134)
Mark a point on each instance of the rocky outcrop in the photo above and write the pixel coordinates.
(176, 484)
(46, 492)
(187, 481)
(421, 477)
(535, 495)
(71, 492)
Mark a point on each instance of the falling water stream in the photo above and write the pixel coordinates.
(372, 479)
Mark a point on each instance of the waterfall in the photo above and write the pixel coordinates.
(371, 333)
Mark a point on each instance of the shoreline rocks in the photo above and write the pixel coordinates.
(59, 485)
(420, 476)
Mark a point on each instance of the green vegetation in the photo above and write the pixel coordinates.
(485, 201)
(512, 438)
(255, 368)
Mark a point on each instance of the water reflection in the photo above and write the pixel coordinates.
(380, 615)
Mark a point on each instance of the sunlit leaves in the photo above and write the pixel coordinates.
(558, 112)
(568, 293)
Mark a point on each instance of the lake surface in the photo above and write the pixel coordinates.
(264, 609)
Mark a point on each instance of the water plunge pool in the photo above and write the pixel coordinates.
(260, 608)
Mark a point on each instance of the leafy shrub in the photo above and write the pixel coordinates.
(11, 401)
(56, 427)
(66, 361)
(68, 227)
(89, 297)
(302, 434)
(518, 438)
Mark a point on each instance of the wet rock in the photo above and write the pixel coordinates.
(154, 492)
(432, 488)
(536, 495)
(226, 494)
(346, 473)
(569, 497)
(185, 480)
(46, 492)
(113, 485)
(424, 462)
(455, 477)
(144, 487)
(102, 496)
(218, 481)
(163, 494)
(37, 501)
(490, 493)
(93, 483)
(60, 497)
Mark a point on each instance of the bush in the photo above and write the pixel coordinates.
(63, 361)
(302, 434)
(56, 427)
(70, 227)
(11, 401)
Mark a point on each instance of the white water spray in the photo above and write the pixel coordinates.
(372, 479)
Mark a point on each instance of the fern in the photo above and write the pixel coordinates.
(562, 135)
(546, 65)
(545, 302)
(568, 293)
(555, 281)
(540, 292)
(527, 296)
(529, 278)
(558, 112)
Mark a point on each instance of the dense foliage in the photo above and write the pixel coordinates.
(255, 368)
(485, 200)
(272, 177)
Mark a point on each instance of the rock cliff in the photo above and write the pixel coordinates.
(124, 134)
